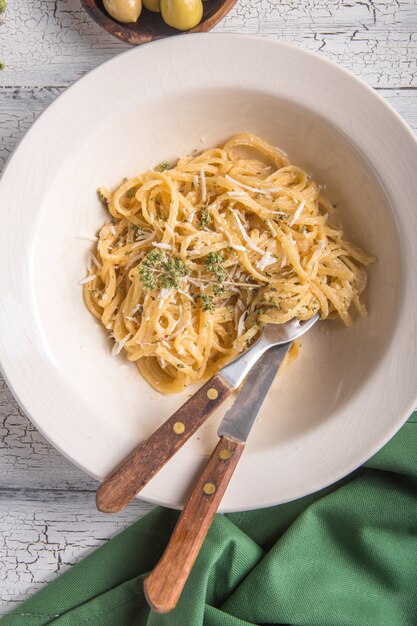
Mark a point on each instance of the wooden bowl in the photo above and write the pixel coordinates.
(150, 25)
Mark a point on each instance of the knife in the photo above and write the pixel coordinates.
(164, 585)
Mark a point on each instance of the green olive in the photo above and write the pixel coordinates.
(126, 11)
(182, 14)
(152, 5)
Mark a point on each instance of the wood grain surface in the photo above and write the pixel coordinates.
(165, 583)
(48, 518)
(129, 478)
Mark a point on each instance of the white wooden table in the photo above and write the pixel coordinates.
(48, 520)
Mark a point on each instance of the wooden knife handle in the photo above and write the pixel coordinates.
(151, 455)
(165, 583)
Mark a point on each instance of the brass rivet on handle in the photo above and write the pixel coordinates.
(225, 454)
(209, 489)
(212, 393)
(178, 428)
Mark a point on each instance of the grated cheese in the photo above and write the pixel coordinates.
(113, 230)
(203, 185)
(237, 194)
(245, 235)
(244, 186)
(265, 192)
(169, 229)
(118, 345)
(187, 295)
(195, 181)
(234, 245)
(86, 280)
(96, 261)
(241, 324)
(266, 260)
(164, 295)
(271, 228)
(297, 213)
(87, 238)
(163, 246)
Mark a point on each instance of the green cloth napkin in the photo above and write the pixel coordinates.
(346, 556)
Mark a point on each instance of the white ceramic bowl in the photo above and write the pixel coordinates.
(350, 389)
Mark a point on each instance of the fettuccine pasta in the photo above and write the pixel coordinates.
(198, 257)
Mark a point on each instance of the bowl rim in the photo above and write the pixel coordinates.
(6, 367)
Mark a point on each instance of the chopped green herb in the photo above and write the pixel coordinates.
(272, 303)
(102, 197)
(3, 5)
(158, 271)
(218, 290)
(281, 217)
(180, 365)
(213, 258)
(2, 66)
(207, 303)
(130, 193)
(174, 270)
(205, 218)
(213, 264)
(146, 269)
(164, 166)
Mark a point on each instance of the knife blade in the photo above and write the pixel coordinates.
(239, 419)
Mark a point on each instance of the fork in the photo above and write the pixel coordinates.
(137, 469)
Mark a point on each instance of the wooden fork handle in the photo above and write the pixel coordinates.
(165, 583)
(150, 456)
